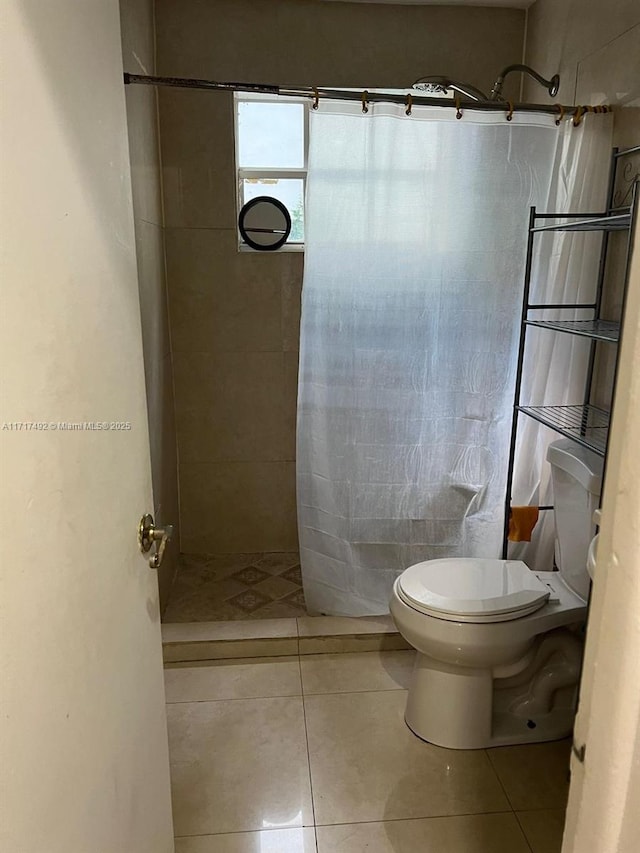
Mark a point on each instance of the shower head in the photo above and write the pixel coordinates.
(434, 84)
(551, 86)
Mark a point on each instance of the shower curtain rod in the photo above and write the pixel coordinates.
(365, 97)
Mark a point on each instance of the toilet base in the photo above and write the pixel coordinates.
(510, 731)
(462, 709)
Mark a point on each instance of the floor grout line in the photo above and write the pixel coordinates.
(357, 692)
(286, 695)
(429, 817)
(352, 823)
(497, 775)
(526, 837)
(306, 738)
(236, 699)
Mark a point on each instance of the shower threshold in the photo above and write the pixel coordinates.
(189, 643)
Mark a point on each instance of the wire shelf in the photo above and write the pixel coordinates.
(607, 222)
(587, 425)
(599, 330)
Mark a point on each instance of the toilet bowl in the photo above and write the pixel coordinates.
(499, 646)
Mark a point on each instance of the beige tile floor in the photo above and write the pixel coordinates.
(310, 754)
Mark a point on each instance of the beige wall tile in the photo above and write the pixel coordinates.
(291, 305)
(563, 34)
(238, 506)
(142, 120)
(611, 75)
(138, 36)
(198, 158)
(153, 292)
(232, 406)
(138, 56)
(334, 44)
(220, 299)
(290, 402)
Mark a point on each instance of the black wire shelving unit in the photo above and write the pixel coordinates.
(583, 422)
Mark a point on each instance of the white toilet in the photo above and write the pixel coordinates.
(496, 662)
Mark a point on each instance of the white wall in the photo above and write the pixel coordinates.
(84, 759)
(603, 814)
(138, 54)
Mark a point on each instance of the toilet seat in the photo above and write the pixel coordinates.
(472, 589)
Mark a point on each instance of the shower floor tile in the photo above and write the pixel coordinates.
(236, 586)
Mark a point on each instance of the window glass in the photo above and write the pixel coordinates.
(290, 191)
(270, 135)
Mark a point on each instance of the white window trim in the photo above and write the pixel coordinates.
(246, 172)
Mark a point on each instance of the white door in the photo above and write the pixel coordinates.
(84, 763)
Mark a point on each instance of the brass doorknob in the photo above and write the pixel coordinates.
(148, 533)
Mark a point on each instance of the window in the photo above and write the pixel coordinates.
(271, 155)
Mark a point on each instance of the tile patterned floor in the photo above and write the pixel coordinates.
(236, 586)
(310, 754)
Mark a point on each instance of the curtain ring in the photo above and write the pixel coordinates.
(458, 110)
(316, 99)
(577, 118)
(409, 105)
(365, 100)
(510, 112)
(560, 109)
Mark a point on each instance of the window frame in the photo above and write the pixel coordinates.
(247, 173)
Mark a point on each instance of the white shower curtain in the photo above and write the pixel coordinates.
(415, 245)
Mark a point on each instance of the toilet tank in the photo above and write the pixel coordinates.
(576, 476)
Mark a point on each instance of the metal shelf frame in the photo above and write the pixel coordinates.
(599, 330)
(586, 425)
(582, 422)
(597, 222)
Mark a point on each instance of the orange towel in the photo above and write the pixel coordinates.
(522, 520)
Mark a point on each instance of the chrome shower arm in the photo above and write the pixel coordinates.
(444, 83)
(551, 86)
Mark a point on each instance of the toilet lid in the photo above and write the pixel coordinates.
(472, 590)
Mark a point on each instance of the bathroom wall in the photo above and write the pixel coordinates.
(595, 47)
(138, 49)
(602, 814)
(235, 317)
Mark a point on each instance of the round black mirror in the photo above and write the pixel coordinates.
(265, 223)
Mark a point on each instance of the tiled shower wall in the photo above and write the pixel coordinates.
(235, 316)
(138, 49)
